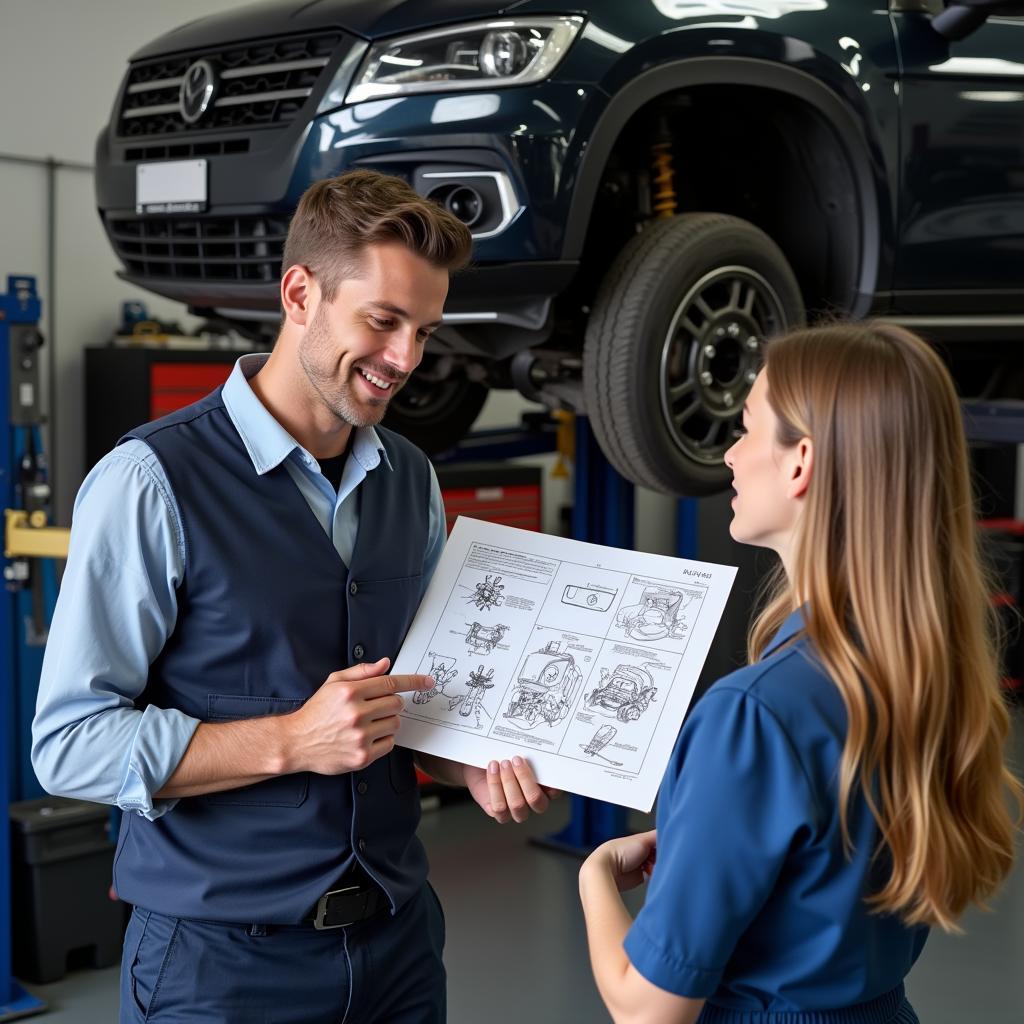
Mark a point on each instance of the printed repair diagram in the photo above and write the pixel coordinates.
(488, 594)
(483, 639)
(470, 701)
(599, 741)
(546, 688)
(626, 693)
(659, 614)
(596, 599)
(443, 671)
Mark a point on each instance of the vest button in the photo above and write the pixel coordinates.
(362, 788)
(358, 651)
(362, 845)
(353, 588)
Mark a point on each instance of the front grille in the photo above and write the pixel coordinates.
(184, 150)
(246, 248)
(259, 85)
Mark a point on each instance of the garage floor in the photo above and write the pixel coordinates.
(515, 931)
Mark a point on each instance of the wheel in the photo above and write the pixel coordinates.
(435, 413)
(673, 344)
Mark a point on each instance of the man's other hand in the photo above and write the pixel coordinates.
(508, 790)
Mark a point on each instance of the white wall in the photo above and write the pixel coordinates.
(60, 64)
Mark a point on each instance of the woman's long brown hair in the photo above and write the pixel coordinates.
(898, 609)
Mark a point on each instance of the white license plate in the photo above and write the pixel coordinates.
(174, 186)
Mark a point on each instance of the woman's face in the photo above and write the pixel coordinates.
(766, 505)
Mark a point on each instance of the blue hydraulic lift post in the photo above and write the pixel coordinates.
(20, 305)
(603, 513)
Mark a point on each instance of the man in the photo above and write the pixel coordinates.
(241, 575)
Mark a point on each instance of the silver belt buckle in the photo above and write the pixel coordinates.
(321, 909)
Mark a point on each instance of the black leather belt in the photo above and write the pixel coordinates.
(348, 905)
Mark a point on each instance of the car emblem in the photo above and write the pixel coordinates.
(197, 88)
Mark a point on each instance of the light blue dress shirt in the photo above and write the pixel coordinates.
(118, 604)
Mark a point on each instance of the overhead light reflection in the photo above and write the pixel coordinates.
(978, 66)
(464, 108)
(993, 96)
(605, 39)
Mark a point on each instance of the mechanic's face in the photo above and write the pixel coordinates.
(360, 348)
(763, 512)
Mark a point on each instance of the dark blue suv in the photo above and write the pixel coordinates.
(655, 187)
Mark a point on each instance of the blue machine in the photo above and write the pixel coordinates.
(30, 587)
(602, 513)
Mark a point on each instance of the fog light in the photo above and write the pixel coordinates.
(466, 204)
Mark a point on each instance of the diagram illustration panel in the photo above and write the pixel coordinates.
(478, 642)
(616, 718)
(657, 613)
(460, 694)
(583, 599)
(546, 688)
(488, 593)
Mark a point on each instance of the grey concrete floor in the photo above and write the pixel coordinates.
(516, 946)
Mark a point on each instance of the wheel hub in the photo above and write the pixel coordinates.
(711, 356)
(725, 362)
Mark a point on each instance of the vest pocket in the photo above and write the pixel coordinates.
(402, 770)
(281, 791)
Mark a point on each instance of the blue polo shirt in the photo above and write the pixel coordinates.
(753, 903)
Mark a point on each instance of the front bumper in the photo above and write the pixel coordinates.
(227, 258)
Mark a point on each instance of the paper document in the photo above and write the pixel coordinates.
(581, 658)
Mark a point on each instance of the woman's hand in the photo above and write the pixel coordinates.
(629, 860)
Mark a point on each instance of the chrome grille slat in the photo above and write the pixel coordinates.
(263, 69)
(261, 84)
(163, 108)
(263, 97)
(162, 83)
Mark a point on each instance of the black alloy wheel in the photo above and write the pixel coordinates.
(436, 412)
(674, 342)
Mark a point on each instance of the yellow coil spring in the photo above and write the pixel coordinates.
(663, 193)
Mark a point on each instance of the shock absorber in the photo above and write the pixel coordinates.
(663, 191)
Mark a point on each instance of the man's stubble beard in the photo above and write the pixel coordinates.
(315, 351)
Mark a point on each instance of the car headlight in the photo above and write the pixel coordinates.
(513, 51)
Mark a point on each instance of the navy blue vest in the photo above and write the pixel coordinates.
(267, 610)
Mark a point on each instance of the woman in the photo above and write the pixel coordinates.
(830, 802)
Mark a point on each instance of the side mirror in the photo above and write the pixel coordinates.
(962, 17)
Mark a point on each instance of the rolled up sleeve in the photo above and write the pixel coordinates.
(116, 608)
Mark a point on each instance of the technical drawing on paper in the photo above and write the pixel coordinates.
(443, 671)
(625, 693)
(659, 614)
(488, 594)
(471, 702)
(599, 741)
(546, 687)
(483, 639)
(597, 599)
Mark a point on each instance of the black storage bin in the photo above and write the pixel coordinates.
(61, 865)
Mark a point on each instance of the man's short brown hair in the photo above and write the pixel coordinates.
(338, 217)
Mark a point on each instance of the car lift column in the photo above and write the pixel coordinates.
(603, 513)
(19, 375)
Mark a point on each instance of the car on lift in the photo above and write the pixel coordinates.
(654, 188)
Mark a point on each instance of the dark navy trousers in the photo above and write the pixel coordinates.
(387, 970)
